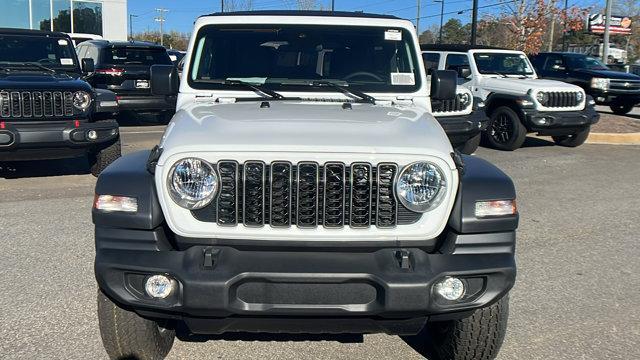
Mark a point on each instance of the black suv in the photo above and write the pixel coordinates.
(47, 111)
(619, 90)
(124, 68)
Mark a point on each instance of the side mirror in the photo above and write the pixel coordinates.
(88, 66)
(443, 84)
(164, 80)
(464, 72)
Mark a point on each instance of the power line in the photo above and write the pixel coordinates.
(161, 20)
(470, 9)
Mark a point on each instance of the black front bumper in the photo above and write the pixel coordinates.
(42, 140)
(149, 103)
(613, 97)
(225, 288)
(559, 122)
(461, 128)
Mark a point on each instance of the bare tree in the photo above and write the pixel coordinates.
(238, 5)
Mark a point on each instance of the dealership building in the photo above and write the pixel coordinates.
(70, 16)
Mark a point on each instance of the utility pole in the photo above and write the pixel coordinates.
(441, 18)
(131, 16)
(418, 18)
(607, 24)
(474, 22)
(161, 20)
(333, 5)
(221, 5)
(564, 32)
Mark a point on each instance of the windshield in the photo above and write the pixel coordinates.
(136, 56)
(52, 52)
(585, 62)
(287, 56)
(503, 63)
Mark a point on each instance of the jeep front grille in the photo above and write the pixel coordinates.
(452, 105)
(559, 99)
(306, 195)
(35, 104)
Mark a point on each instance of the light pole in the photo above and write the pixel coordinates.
(418, 17)
(564, 31)
(441, 18)
(474, 22)
(131, 16)
(333, 5)
(607, 32)
(221, 5)
(161, 20)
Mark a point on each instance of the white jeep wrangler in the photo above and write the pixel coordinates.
(304, 187)
(517, 102)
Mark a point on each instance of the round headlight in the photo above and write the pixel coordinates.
(465, 99)
(421, 186)
(579, 96)
(542, 97)
(193, 183)
(81, 100)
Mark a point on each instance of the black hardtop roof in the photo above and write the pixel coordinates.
(456, 47)
(14, 31)
(305, 13)
(560, 53)
(137, 44)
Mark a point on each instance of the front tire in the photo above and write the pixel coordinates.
(470, 146)
(126, 335)
(506, 131)
(573, 140)
(101, 159)
(621, 108)
(477, 337)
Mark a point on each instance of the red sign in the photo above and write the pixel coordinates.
(620, 25)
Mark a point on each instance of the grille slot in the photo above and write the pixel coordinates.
(306, 195)
(36, 104)
(452, 105)
(559, 99)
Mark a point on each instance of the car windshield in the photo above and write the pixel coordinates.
(25, 50)
(372, 59)
(502, 63)
(585, 62)
(136, 56)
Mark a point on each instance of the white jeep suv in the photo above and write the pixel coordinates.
(517, 102)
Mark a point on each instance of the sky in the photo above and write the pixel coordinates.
(182, 13)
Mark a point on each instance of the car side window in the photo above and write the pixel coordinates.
(431, 61)
(554, 63)
(92, 52)
(458, 63)
(81, 50)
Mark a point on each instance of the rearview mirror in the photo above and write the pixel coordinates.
(444, 84)
(88, 66)
(164, 80)
(464, 72)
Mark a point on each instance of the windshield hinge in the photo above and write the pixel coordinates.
(403, 100)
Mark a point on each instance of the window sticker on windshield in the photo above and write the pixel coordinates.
(63, 42)
(64, 61)
(398, 78)
(393, 35)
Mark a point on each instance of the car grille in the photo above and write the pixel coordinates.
(559, 99)
(452, 105)
(35, 104)
(625, 85)
(306, 195)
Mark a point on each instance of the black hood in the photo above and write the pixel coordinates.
(609, 74)
(42, 81)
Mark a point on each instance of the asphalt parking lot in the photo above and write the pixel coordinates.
(577, 294)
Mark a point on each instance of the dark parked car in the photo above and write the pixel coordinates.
(175, 55)
(124, 68)
(47, 110)
(619, 90)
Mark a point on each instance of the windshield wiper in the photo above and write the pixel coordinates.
(41, 66)
(257, 88)
(345, 90)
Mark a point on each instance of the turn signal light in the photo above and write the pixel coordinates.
(110, 203)
(495, 208)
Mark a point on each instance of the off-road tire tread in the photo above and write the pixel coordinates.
(470, 146)
(104, 157)
(621, 109)
(477, 337)
(573, 141)
(126, 335)
(520, 131)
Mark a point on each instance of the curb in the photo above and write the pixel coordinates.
(614, 138)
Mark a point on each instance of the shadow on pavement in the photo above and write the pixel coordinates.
(264, 337)
(42, 168)
(531, 142)
(130, 118)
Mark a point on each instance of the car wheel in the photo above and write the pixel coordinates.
(126, 335)
(104, 157)
(470, 146)
(478, 336)
(505, 132)
(621, 109)
(573, 140)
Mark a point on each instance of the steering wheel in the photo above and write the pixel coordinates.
(363, 73)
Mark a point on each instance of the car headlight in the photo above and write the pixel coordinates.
(421, 186)
(192, 183)
(579, 96)
(542, 97)
(81, 100)
(600, 83)
(465, 99)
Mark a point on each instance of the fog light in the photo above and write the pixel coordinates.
(450, 288)
(92, 135)
(158, 286)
